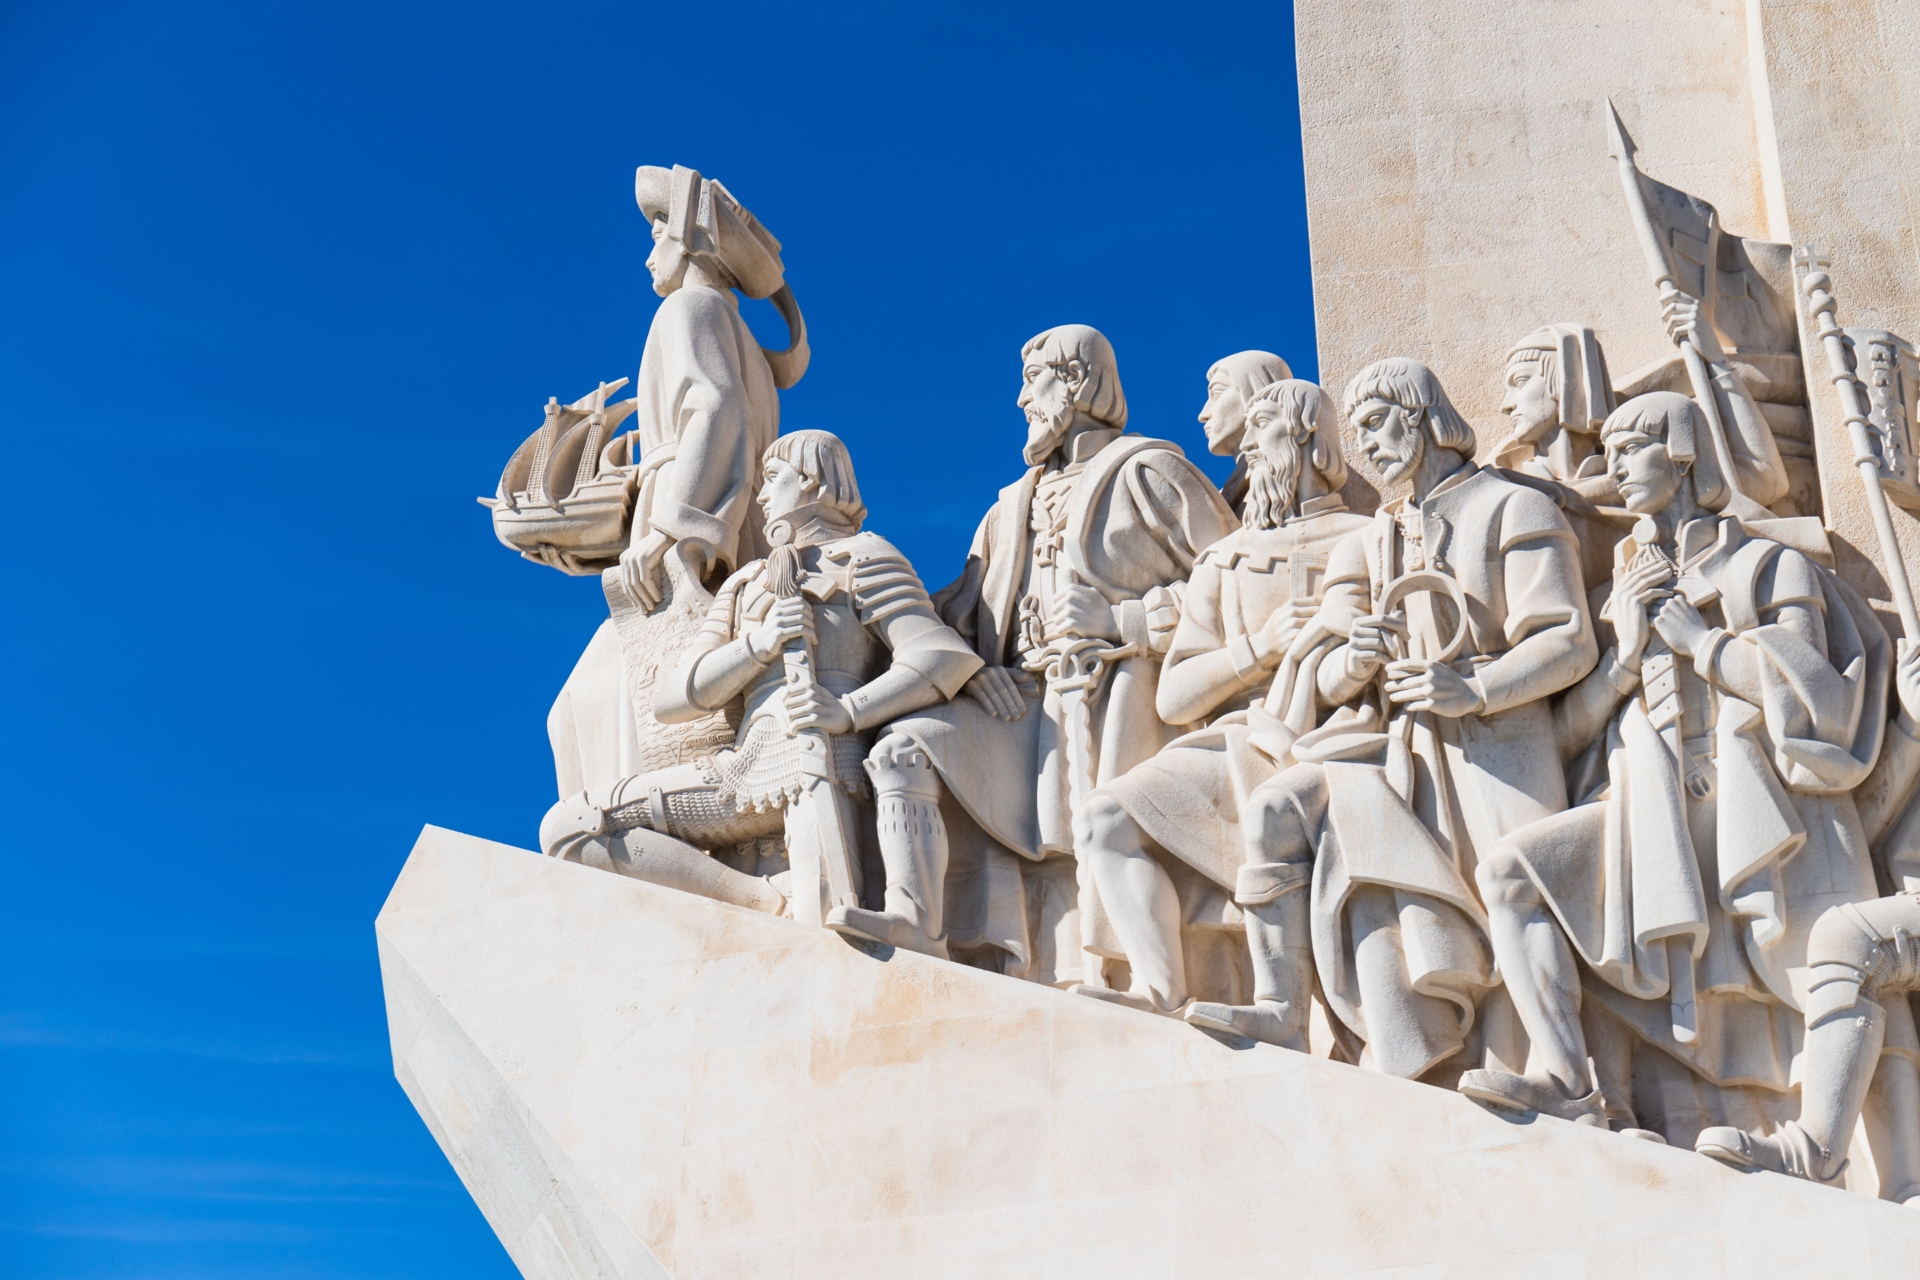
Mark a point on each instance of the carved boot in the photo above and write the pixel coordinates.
(604, 829)
(913, 849)
(1841, 1054)
(1275, 899)
(1510, 1092)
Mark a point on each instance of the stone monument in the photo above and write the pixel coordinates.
(1485, 839)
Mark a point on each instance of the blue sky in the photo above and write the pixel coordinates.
(284, 286)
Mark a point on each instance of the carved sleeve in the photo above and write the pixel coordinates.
(717, 666)
(1549, 633)
(1201, 670)
(894, 605)
(1349, 595)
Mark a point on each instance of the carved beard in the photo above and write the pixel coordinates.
(1045, 430)
(1398, 466)
(1270, 488)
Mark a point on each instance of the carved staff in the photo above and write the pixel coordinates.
(1621, 147)
(1818, 286)
(821, 844)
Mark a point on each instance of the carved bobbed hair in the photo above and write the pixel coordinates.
(1249, 371)
(822, 459)
(1413, 387)
(1676, 421)
(1068, 345)
(1302, 407)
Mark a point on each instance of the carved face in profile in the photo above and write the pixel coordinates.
(1047, 395)
(1641, 468)
(784, 489)
(1531, 399)
(1392, 437)
(1224, 416)
(668, 261)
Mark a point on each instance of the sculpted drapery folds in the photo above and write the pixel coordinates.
(1164, 840)
(1394, 802)
(1070, 594)
(1740, 705)
(706, 408)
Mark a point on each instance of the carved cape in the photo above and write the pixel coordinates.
(1738, 876)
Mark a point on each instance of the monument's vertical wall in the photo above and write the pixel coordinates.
(1845, 105)
(1459, 190)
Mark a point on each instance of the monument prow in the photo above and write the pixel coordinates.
(637, 1082)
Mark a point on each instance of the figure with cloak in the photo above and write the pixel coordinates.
(1163, 840)
(1862, 961)
(1655, 937)
(707, 407)
(1462, 610)
(1071, 595)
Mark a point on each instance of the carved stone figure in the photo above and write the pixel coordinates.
(1739, 705)
(848, 605)
(706, 408)
(1250, 595)
(1393, 803)
(1070, 594)
(1558, 394)
(1232, 383)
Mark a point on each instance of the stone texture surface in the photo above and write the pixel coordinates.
(635, 1082)
(1459, 192)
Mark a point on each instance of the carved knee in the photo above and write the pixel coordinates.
(898, 765)
(1102, 826)
(1502, 876)
(1845, 961)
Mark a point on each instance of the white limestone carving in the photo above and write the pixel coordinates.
(809, 650)
(1575, 782)
(1246, 616)
(634, 1082)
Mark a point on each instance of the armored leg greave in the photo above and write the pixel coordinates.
(913, 849)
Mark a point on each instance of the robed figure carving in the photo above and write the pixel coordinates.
(1463, 611)
(1070, 595)
(1164, 839)
(707, 407)
(1742, 701)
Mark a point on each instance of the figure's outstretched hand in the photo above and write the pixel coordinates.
(1373, 639)
(810, 706)
(1681, 626)
(788, 619)
(1001, 691)
(640, 568)
(1906, 679)
(1686, 322)
(1421, 684)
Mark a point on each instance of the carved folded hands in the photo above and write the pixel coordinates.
(1080, 611)
(1639, 583)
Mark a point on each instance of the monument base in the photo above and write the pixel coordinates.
(635, 1082)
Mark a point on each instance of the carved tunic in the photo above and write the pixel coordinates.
(1726, 826)
(1188, 797)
